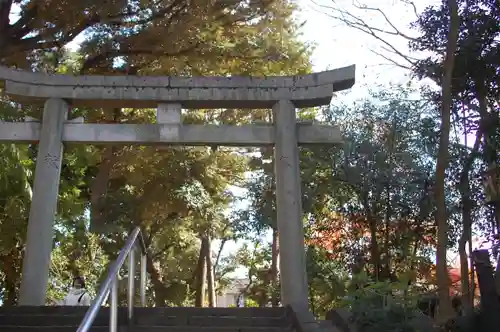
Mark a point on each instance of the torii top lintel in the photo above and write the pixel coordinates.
(191, 92)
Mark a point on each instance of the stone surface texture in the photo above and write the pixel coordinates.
(294, 289)
(191, 92)
(168, 134)
(36, 262)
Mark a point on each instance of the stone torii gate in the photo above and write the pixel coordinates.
(170, 94)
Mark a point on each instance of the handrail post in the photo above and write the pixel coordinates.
(113, 306)
(143, 279)
(109, 288)
(131, 290)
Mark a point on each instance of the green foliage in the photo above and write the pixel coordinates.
(327, 281)
(475, 88)
(174, 194)
(78, 253)
(257, 258)
(382, 306)
(365, 197)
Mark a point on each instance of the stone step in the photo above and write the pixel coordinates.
(213, 312)
(54, 320)
(49, 310)
(222, 321)
(72, 328)
(24, 328)
(161, 311)
(142, 319)
(209, 329)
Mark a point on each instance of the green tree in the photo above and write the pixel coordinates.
(177, 27)
(473, 91)
(375, 200)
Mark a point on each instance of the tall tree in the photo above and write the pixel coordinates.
(372, 200)
(442, 162)
(475, 74)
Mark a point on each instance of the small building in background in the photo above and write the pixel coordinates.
(232, 295)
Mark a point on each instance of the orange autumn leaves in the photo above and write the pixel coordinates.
(345, 236)
(336, 231)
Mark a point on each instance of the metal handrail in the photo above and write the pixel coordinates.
(110, 285)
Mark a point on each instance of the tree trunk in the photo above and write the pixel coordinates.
(489, 123)
(201, 272)
(210, 273)
(159, 287)
(490, 157)
(446, 309)
(99, 185)
(464, 262)
(374, 248)
(5, 8)
(497, 278)
(489, 298)
(385, 265)
(486, 124)
(98, 190)
(472, 272)
(11, 268)
(274, 269)
(466, 236)
(386, 271)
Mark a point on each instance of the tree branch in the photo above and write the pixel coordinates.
(5, 7)
(95, 60)
(223, 242)
(351, 20)
(160, 252)
(394, 62)
(46, 39)
(396, 31)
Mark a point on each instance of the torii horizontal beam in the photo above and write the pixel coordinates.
(169, 134)
(191, 92)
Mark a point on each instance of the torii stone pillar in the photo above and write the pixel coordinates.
(40, 233)
(169, 95)
(289, 208)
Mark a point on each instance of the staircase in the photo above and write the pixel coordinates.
(67, 319)
(98, 318)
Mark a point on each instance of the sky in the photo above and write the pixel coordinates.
(338, 45)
